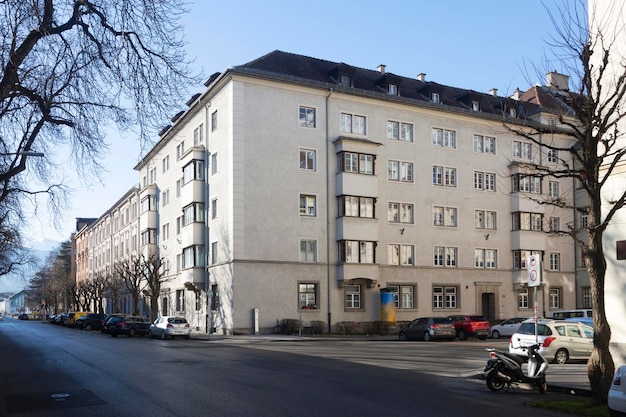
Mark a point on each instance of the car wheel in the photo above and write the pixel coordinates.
(561, 356)
(402, 336)
(132, 332)
(427, 337)
(88, 327)
(495, 334)
(162, 335)
(150, 334)
(187, 337)
(462, 335)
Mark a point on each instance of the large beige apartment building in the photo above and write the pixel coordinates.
(295, 187)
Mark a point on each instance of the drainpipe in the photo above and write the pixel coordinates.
(328, 304)
(207, 241)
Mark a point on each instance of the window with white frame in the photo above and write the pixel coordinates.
(553, 189)
(435, 98)
(555, 224)
(353, 297)
(308, 250)
(180, 300)
(555, 261)
(165, 232)
(520, 255)
(444, 216)
(485, 219)
(399, 212)
(475, 106)
(180, 149)
(485, 181)
(198, 134)
(214, 163)
(152, 175)
(193, 213)
(345, 80)
(307, 117)
(149, 237)
(553, 155)
(527, 221)
(555, 298)
(445, 256)
(400, 254)
(193, 171)
(400, 171)
(308, 205)
(356, 251)
(399, 131)
(522, 150)
(193, 256)
(522, 299)
(165, 198)
(392, 89)
(526, 183)
(485, 144)
(358, 163)
(308, 160)
(444, 176)
(352, 123)
(444, 297)
(584, 218)
(214, 254)
(443, 138)
(214, 208)
(404, 295)
(485, 258)
(149, 203)
(355, 206)
(307, 296)
(586, 297)
(166, 163)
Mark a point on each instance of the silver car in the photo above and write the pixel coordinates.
(170, 327)
(507, 327)
(560, 340)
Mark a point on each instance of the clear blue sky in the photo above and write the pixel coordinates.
(478, 45)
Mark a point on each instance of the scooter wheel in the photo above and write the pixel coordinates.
(542, 385)
(495, 383)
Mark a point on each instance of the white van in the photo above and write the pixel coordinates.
(582, 315)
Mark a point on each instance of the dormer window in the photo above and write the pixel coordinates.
(434, 97)
(392, 89)
(475, 106)
(345, 80)
(512, 112)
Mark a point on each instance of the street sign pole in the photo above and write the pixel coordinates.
(533, 264)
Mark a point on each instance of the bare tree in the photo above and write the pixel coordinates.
(154, 274)
(131, 271)
(589, 118)
(114, 288)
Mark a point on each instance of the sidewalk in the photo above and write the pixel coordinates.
(568, 379)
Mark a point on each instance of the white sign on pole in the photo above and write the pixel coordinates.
(533, 264)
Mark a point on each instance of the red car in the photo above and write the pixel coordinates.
(469, 325)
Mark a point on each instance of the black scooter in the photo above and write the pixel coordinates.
(504, 369)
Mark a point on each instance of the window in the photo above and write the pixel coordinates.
(149, 237)
(445, 256)
(444, 176)
(153, 175)
(149, 203)
(399, 212)
(307, 296)
(214, 121)
(486, 258)
(522, 150)
(400, 131)
(555, 298)
(355, 251)
(358, 163)
(198, 134)
(307, 160)
(352, 206)
(180, 300)
(308, 250)
(404, 295)
(555, 261)
(528, 221)
(485, 181)
(165, 234)
(555, 224)
(353, 296)
(444, 216)
(392, 89)
(519, 257)
(345, 80)
(586, 295)
(444, 297)
(553, 155)
(193, 171)
(526, 183)
(513, 112)
(485, 144)
(307, 117)
(400, 254)
(485, 219)
(475, 106)
(214, 208)
(553, 189)
(213, 163)
(179, 224)
(193, 213)
(193, 256)
(180, 149)
(400, 171)
(214, 252)
(351, 123)
(166, 163)
(307, 205)
(165, 198)
(522, 299)
(584, 218)
(434, 97)
(444, 138)
(179, 186)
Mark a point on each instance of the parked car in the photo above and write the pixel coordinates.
(428, 328)
(560, 340)
(128, 325)
(470, 326)
(60, 318)
(23, 316)
(73, 316)
(169, 327)
(617, 393)
(1, 317)
(90, 321)
(507, 327)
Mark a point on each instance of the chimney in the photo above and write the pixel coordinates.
(517, 94)
(493, 91)
(558, 81)
(381, 68)
(421, 76)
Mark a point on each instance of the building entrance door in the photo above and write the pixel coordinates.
(489, 305)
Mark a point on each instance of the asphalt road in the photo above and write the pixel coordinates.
(47, 370)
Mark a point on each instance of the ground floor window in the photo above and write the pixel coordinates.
(404, 295)
(522, 299)
(180, 300)
(555, 298)
(353, 297)
(307, 296)
(444, 297)
(586, 293)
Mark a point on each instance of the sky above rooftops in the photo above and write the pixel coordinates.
(477, 45)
